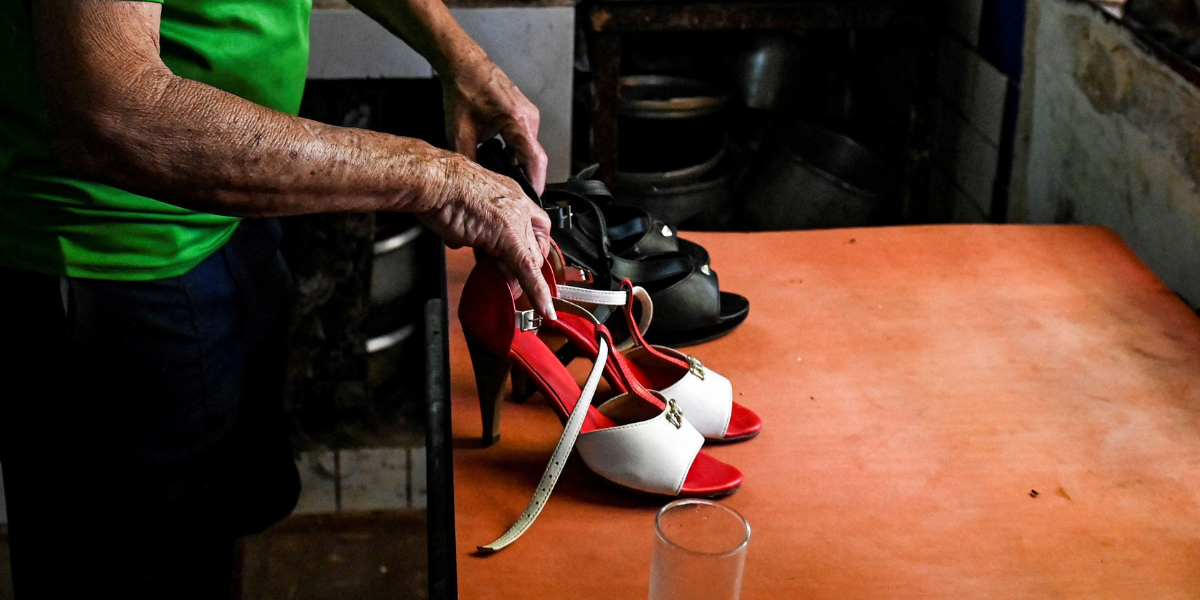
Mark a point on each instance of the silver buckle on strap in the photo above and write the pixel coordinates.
(528, 320)
(695, 368)
(561, 213)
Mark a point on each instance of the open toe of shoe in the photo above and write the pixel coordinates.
(743, 424)
(709, 477)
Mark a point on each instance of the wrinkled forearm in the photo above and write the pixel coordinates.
(428, 27)
(119, 116)
(192, 145)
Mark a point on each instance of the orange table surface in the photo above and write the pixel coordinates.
(916, 385)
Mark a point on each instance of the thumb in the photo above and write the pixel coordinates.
(465, 141)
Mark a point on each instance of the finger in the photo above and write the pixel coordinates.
(539, 222)
(465, 141)
(542, 241)
(527, 266)
(533, 242)
(529, 153)
(514, 286)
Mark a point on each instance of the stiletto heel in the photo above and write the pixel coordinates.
(491, 370)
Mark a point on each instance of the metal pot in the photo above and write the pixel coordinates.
(768, 72)
(397, 267)
(634, 180)
(668, 124)
(668, 97)
(648, 146)
(392, 354)
(811, 178)
(703, 204)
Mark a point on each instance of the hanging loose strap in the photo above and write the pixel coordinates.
(558, 460)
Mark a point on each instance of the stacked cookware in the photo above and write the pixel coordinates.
(764, 137)
(672, 150)
(400, 271)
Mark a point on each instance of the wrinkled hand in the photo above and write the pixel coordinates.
(490, 212)
(480, 103)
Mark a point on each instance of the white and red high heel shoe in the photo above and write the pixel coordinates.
(705, 396)
(639, 440)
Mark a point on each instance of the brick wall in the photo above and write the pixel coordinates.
(979, 68)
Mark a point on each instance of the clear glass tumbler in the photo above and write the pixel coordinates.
(699, 552)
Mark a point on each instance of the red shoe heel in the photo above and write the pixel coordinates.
(491, 371)
(520, 387)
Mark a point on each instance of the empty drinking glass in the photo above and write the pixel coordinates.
(699, 552)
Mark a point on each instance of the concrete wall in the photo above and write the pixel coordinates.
(1109, 135)
(534, 45)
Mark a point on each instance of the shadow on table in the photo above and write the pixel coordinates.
(577, 483)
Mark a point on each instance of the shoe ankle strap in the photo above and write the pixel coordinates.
(558, 459)
(619, 297)
(592, 296)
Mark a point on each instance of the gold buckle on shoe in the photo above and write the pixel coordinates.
(695, 368)
(674, 414)
(528, 320)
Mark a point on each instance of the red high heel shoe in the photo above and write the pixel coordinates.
(704, 395)
(638, 440)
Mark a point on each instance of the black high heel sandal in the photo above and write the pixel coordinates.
(690, 308)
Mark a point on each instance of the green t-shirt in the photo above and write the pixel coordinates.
(53, 223)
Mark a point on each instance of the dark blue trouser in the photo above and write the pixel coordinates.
(140, 430)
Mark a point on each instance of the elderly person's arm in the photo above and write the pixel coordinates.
(479, 99)
(118, 115)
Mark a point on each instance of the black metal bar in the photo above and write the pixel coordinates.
(439, 458)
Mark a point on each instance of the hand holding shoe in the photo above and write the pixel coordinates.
(489, 212)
